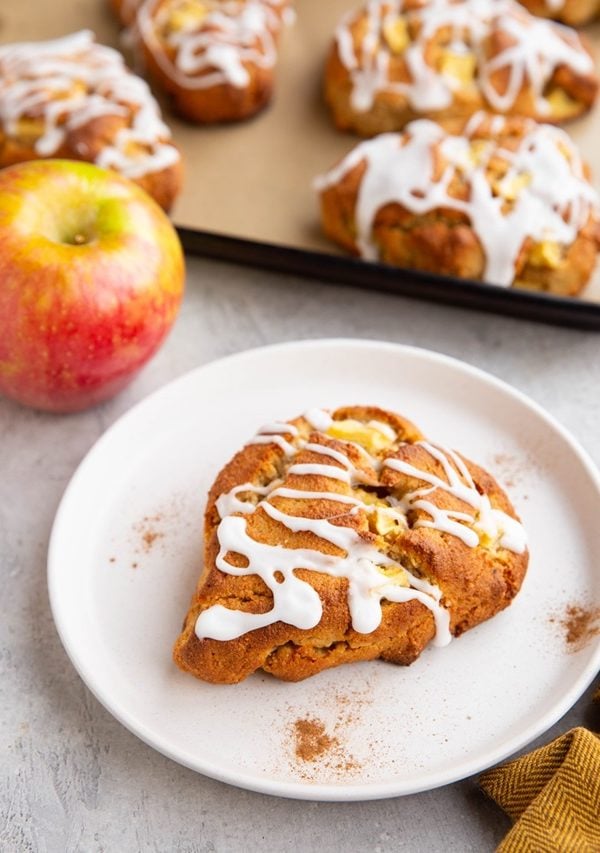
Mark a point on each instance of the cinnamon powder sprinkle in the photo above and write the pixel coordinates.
(150, 537)
(311, 739)
(580, 625)
(149, 531)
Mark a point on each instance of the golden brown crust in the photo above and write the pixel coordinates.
(141, 151)
(216, 104)
(84, 143)
(444, 240)
(567, 92)
(476, 582)
(168, 24)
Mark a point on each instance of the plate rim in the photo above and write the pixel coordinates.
(302, 790)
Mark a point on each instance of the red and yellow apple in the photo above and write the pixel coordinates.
(91, 279)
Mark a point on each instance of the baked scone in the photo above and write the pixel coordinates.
(75, 99)
(346, 537)
(216, 59)
(575, 13)
(508, 202)
(396, 60)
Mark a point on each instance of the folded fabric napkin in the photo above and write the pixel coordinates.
(553, 795)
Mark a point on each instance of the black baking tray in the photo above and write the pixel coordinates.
(523, 304)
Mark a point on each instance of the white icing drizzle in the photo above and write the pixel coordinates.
(277, 427)
(314, 469)
(494, 523)
(216, 48)
(284, 445)
(535, 49)
(295, 601)
(70, 81)
(369, 459)
(355, 475)
(228, 502)
(384, 429)
(325, 450)
(319, 419)
(273, 434)
(303, 495)
(401, 168)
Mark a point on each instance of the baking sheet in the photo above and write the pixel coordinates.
(248, 187)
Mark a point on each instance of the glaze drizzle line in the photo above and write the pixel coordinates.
(71, 81)
(295, 601)
(534, 49)
(553, 201)
(216, 47)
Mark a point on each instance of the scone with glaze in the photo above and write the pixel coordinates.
(344, 537)
(507, 201)
(396, 60)
(73, 98)
(215, 59)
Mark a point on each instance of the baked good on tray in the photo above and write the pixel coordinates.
(74, 98)
(395, 60)
(344, 537)
(507, 201)
(215, 59)
(575, 13)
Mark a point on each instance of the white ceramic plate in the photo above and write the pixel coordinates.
(126, 552)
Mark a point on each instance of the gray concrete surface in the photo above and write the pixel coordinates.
(72, 778)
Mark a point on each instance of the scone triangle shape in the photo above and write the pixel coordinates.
(346, 536)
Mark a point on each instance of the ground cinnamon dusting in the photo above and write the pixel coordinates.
(311, 739)
(580, 625)
(149, 529)
(150, 537)
(319, 749)
(315, 750)
(151, 532)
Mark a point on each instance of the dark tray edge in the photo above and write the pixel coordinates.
(522, 304)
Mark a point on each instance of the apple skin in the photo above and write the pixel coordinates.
(91, 279)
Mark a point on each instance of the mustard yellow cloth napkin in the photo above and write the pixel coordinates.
(553, 795)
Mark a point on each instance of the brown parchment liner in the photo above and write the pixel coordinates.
(253, 179)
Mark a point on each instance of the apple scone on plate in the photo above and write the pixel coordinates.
(344, 537)
(73, 98)
(507, 201)
(215, 59)
(396, 60)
